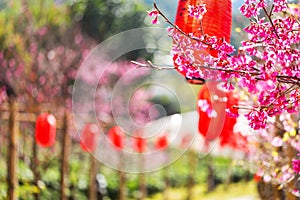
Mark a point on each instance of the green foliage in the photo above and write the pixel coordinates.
(240, 190)
(3, 173)
(178, 174)
(17, 22)
(51, 174)
(171, 105)
(105, 18)
(24, 173)
(48, 12)
(101, 19)
(26, 191)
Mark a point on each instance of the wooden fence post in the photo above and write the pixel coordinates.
(66, 147)
(12, 179)
(34, 167)
(142, 178)
(93, 173)
(166, 178)
(291, 153)
(167, 183)
(122, 179)
(192, 164)
(122, 192)
(211, 185)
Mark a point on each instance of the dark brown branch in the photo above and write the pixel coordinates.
(280, 78)
(149, 64)
(271, 21)
(226, 70)
(280, 95)
(8, 88)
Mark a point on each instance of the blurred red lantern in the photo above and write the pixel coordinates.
(216, 22)
(161, 142)
(116, 136)
(186, 141)
(88, 137)
(236, 141)
(219, 125)
(45, 130)
(139, 144)
(257, 178)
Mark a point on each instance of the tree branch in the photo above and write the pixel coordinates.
(149, 64)
(270, 19)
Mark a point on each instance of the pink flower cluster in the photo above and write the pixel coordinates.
(296, 166)
(280, 5)
(257, 119)
(197, 11)
(267, 152)
(154, 14)
(204, 106)
(266, 69)
(266, 64)
(252, 8)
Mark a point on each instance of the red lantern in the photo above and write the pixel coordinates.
(257, 178)
(88, 137)
(116, 136)
(139, 143)
(185, 141)
(221, 124)
(236, 141)
(45, 130)
(161, 142)
(216, 22)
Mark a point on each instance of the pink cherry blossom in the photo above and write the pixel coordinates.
(296, 166)
(207, 108)
(277, 142)
(154, 14)
(197, 11)
(265, 68)
(266, 65)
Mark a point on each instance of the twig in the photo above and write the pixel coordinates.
(270, 19)
(280, 78)
(243, 107)
(280, 95)
(288, 79)
(149, 64)
(172, 24)
(226, 70)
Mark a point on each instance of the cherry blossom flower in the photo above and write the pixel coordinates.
(279, 5)
(197, 11)
(154, 14)
(207, 108)
(265, 67)
(231, 114)
(296, 165)
(277, 142)
(257, 119)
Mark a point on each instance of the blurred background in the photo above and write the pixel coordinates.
(42, 45)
